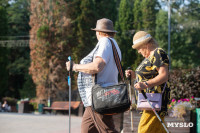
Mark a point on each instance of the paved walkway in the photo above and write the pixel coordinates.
(38, 123)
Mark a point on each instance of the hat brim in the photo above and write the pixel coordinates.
(102, 30)
(135, 46)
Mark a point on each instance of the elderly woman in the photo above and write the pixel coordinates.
(151, 76)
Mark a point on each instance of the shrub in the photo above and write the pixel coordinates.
(185, 83)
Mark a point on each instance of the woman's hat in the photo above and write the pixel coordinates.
(104, 25)
(140, 38)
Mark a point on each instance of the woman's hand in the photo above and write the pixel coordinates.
(129, 73)
(140, 86)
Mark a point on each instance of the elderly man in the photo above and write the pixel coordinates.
(99, 61)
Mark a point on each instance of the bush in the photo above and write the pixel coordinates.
(35, 105)
(185, 83)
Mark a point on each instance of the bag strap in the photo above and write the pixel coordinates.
(164, 87)
(117, 62)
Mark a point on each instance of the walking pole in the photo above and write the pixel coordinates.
(154, 111)
(69, 83)
(130, 95)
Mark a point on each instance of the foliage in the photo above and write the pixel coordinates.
(84, 23)
(34, 104)
(4, 52)
(149, 11)
(184, 32)
(50, 48)
(161, 29)
(3, 22)
(43, 32)
(124, 37)
(184, 86)
(19, 59)
(28, 89)
(19, 18)
(84, 14)
(185, 83)
(137, 10)
(110, 7)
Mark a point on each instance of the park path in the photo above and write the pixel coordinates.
(47, 123)
(38, 123)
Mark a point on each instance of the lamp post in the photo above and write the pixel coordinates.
(169, 29)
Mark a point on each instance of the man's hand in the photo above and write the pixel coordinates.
(129, 73)
(68, 66)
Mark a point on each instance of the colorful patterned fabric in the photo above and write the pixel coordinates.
(149, 123)
(148, 70)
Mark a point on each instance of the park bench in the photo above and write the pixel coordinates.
(64, 105)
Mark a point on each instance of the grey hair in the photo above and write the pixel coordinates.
(152, 42)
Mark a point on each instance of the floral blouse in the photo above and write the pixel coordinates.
(148, 70)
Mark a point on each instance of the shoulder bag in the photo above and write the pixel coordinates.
(154, 98)
(112, 99)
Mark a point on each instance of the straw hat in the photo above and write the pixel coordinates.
(140, 38)
(104, 25)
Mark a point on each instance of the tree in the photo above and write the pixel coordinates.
(105, 9)
(85, 36)
(84, 14)
(184, 32)
(51, 28)
(19, 59)
(162, 29)
(184, 52)
(149, 11)
(19, 18)
(3, 51)
(124, 26)
(137, 11)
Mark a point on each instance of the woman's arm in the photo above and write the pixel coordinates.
(91, 68)
(158, 80)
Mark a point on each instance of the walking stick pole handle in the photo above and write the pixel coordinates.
(145, 96)
(129, 68)
(71, 65)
